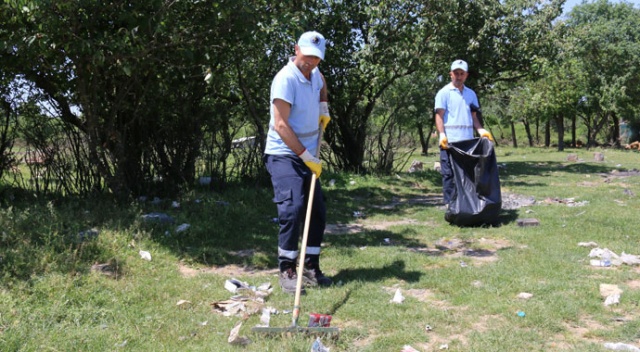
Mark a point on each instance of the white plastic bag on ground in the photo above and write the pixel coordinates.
(619, 346)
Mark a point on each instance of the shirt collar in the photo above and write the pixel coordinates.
(296, 70)
(452, 87)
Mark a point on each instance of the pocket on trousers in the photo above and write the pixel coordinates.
(282, 196)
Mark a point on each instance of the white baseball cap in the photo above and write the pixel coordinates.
(459, 64)
(312, 44)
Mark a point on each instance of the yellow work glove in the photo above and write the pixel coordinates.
(324, 115)
(444, 142)
(314, 164)
(485, 134)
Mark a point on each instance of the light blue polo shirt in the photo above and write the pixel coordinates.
(293, 87)
(458, 122)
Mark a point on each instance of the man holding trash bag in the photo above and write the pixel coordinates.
(298, 110)
(456, 107)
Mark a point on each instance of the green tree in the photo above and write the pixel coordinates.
(604, 41)
(128, 75)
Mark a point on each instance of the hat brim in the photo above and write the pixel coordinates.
(312, 51)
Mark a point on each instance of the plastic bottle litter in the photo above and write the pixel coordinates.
(606, 258)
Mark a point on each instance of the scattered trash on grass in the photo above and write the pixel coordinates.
(158, 217)
(612, 299)
(408, 348)
(247, 301)
(318, 346)
(611, 293)
(521, 314)
(444, 346)
(528, 222)
(232, 307)
(265, 318)
(398, 298)
(319, 320)
(428, 328)
(257, 293)
(183, 302)
(587, 244)
(235, 338)
(416, 165)
(607, 257)
(619, 346)
(182, 228)
(145, 255)
(525, 295)
(570, 202)
(359, 215)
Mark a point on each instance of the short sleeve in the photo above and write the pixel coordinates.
(282, 88)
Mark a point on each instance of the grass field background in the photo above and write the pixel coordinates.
(461, 285)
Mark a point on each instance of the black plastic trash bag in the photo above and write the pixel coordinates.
(476, 199)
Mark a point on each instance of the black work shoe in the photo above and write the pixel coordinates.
(288, 280)
(313, 276)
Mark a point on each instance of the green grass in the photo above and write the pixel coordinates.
(50, 300)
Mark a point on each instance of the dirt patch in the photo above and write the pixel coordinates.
(350, 229)
(422, 295)
(633, 284)
(230, 270)
(583, 331)
(588, 184)
(512, 201)
(432, 199)
(478, 252)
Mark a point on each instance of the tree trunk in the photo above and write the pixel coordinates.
(513, 135)
(547, 134)
(560, 125)
(527, 128)
(615, 130)
(573, 131)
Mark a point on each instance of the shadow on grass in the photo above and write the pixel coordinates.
(222, 224)
(394, 270)
(517, 168)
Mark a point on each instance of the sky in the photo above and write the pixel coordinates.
(569, 4)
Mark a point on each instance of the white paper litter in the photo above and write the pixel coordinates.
(398, 298)
(612, 299)
(407, 348)
(587, 244)
(235, 338)
(629, 259)
(182, 228)
(183, 302)
(525, 295)
(265, 318)
(619, 346)
(145, 255)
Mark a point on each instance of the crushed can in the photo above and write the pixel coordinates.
(319, 320)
